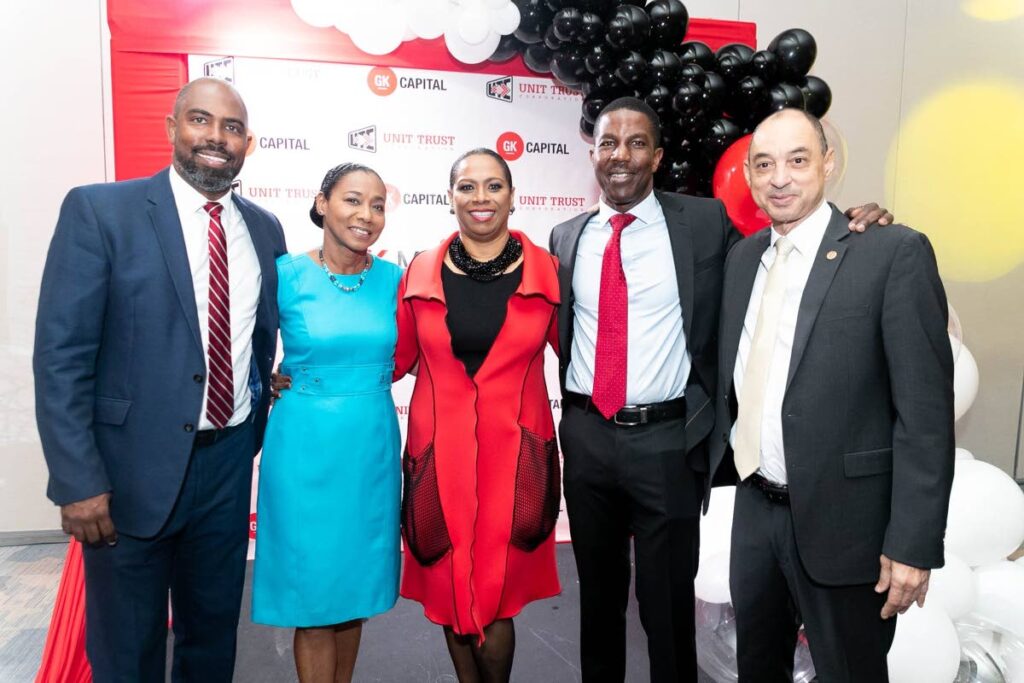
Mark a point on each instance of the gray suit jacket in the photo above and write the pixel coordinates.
(868, 411)
(701, 234)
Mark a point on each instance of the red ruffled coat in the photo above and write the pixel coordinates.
(481, 473)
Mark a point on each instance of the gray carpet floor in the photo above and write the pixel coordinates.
(398, 647)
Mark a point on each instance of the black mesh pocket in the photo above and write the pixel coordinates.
(426, 535)
(538, 491)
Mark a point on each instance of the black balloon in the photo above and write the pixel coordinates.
(592, 107)
(555, 5)
(567, 23)
(668, 22)
(766, 65)
(534, 18)
(681, 176)
(688, 99)
(587, 128)
(660, 100)
(601, 59)
(817, 95)
(787, 96)
(508, 47)
(720, 135)
(608, 82)
(744, 52)
(567, 65)
(633, 70)
(732, 67)
(698, 53)
(692, 72)
(665, 67)
(796, 51)
(551, 39)
(538, 58)
(750, 101)
(592, 29)
(715, 91)
(628, 28)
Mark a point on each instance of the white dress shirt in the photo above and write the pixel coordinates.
(244, 279)
(658, 364)
(806, 239)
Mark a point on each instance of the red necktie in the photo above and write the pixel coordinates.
(609, 393)
(220, 394)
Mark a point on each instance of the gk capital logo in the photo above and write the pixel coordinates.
(500, 89)
(382, 81)
(510, 146)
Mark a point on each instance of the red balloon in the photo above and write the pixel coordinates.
(729, 185)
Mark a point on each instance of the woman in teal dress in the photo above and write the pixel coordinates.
(327, 549)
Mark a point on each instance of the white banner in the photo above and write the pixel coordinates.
(409, 125)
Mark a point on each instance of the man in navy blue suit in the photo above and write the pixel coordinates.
(155, 335)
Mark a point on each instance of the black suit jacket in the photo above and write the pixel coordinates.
(700, 233)
(867, 417)
(119, 363)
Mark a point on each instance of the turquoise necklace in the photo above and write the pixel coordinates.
(334, 280)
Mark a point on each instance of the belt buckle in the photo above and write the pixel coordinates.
(622, 423)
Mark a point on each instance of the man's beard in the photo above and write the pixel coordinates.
(203, 178)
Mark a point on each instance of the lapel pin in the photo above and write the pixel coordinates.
(831, 255)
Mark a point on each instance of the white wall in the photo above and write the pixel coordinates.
(882, 59)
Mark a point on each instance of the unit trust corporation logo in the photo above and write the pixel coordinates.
(500, 89)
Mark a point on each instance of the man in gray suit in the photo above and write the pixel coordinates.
(835, 398)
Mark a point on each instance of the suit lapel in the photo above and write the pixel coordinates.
(739, 283)
(163, 212)
(681, 238)
(567, 259)
(823, 270)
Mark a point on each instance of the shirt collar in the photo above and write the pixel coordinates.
(807, 236)
(189, 200)
(647, 211)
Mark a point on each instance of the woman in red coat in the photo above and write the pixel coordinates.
(481, 490)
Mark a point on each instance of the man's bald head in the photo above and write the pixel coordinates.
(811, 119)
(204, 84)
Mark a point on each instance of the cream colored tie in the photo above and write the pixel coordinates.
(747, 453)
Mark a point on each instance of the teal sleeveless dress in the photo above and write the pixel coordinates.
(327, 536)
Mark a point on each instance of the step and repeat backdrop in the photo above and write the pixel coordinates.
(409, 125)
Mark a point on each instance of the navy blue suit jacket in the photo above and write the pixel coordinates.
(119, 366)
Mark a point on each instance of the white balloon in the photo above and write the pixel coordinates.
(712, 581)
(319, 13)
(925, 648)
(986, 514)
(471, 54)
(1012, 653)
(428, 18)
(1001, 595)
(955, 331)
(496, 4)
(964, 454)
(952, 588)
(505, 19)
(965, 382)
(474, 25)
(372, 25)
(716, 525)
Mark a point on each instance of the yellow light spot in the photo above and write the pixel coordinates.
(993, 10)
(956, 171)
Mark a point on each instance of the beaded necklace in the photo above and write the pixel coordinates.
(334, 280)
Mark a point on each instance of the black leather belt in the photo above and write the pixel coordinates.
(776, 493)
(208, 437)
(632, 416)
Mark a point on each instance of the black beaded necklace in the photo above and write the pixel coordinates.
(484, 271)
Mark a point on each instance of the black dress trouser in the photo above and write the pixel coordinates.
(632, 481)
(772, 594)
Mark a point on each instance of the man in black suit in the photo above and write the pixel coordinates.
(835, 395)
(641, 282)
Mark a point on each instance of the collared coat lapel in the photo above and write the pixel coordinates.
(567, 260)
(681, 239)
(818, 282)
(264, 253)
(739, 283)
(163, 213)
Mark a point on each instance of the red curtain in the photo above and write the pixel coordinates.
(64, 659)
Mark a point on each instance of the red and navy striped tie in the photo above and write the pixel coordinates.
(220, 395)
